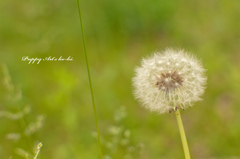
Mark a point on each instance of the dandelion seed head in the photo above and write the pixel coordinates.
(169, 79)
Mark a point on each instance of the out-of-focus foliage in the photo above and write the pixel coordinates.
(118, 34)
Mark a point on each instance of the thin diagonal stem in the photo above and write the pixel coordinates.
(38, 150)
(89, 78)
(182, 134)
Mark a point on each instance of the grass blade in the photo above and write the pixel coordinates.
(89, 78)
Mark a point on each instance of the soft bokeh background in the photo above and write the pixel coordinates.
(50, 102)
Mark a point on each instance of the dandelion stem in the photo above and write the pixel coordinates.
(89, 78)
(182, 134)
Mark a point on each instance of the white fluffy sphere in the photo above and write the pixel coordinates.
(169, 80)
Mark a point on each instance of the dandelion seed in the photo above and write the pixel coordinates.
(169, 80)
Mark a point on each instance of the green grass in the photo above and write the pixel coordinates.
(118, 35)
(90, 81)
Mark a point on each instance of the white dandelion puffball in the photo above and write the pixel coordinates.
(169, 80)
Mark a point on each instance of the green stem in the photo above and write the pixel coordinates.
(89, 78)
(38, 150)
(182, 134)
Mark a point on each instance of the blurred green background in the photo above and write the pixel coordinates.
(50, 102)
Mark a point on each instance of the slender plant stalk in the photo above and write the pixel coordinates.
(182, 134)
(89, 78)
(38, 150)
